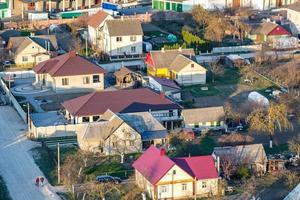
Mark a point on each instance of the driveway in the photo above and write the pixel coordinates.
(17, 166)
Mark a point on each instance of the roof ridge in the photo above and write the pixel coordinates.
(60, 64)
(92, 94)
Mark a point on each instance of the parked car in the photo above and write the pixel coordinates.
(7, 63)
(108, 179)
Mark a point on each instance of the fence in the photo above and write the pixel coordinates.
(19, 74)
(14, 102)
(235, 49)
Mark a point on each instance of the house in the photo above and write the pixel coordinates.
(293, 15)
(29, 51)
(178, 65)
(5, 10)
(116, 133)
(266, 31)
(95, 28)
(179, 178)
(252, 155)
(69, 73)
(167, 86)
(90, 107)
(127, 78)
(204, 118)
(123, 37)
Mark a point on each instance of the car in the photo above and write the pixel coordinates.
(108, 179)
(7, 63)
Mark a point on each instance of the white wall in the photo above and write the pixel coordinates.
(191, 75)
(294, 17)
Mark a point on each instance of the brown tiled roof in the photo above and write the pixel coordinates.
(124, 27)
(122, 72)
(68, 64)
(164, 58)
(119, 101)
(96, 19)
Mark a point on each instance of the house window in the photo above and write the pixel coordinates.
(85, 119)
(65, 81)
(96, 79)
(40, 58)
(114, 144)
(163, 189)
(24, 58)
(133, 49)
(192, 65)
(184, 187)
(131, 143)
(119, 39)
(196, 125)
(95, 118)
(132, 38)
(119, 49)
(203, 184)
(86, 80)
(171, 114)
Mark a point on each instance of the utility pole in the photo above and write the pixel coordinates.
(86, 44)
(28, 116)
(58, 164)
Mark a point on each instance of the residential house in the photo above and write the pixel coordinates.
(123, 37)
(95, 28)
(69, 73)
(293, 15)
(179, 178)
(89, 107)
(115, 133)
(29, 51)
(179, 65)
(252, 155)
(127, 78)
(166, 86)
(266, 31)
(204, 118)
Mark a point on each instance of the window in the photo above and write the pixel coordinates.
(184, 187)
(192, 65)
(86, 80)
(24, 58)
(119, 39)
(95, 118)
(163, 189)
(96, 79)
(114, 144)
(119, 49)
(132, 38)
(33, 47)
(133, 49)
(171, 114)
(196, 125)
(131, 143)
(203, 184)
(40, 58)
(85, 119)
(65, 81)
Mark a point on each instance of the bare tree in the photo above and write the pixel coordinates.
(294, 145)
(228, 165)
(291, 178)
(235, 139)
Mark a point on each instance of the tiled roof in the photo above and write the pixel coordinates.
(200, 167)
(96, 19)
(68, 64)
(122, 72)
(166, 82)
(209, 114)
(124, 27)
(119, 101)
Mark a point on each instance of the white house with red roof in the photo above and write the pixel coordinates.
(179, 178)
(69, 73)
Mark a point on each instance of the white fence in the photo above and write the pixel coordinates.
(19, 74)
(115, 66)
(235, 49)
(14, 102)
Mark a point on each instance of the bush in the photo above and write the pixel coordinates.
(243, 172)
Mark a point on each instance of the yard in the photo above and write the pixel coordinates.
(4, 194)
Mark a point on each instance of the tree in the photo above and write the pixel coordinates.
(235, 139)
(268, 120)
(228, 165)
(294, 145)
(290, 178)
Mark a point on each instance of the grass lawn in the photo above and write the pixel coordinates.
(197, 92)
(4, 194)
(230, 76)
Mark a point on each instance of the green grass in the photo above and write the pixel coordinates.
(230, 76)
(4, 194)
(276, 149)
(197, 92)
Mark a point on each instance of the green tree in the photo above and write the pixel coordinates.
(268, 120)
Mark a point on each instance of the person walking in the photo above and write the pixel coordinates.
(37, 181)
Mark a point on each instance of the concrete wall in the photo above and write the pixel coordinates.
(55, 131)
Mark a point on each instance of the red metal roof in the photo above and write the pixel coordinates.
(153, 166)
(119, 101)
(279, 30)
(201, 167)
(68, 64)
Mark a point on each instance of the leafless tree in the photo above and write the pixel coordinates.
(235, 139)
(228, 165)
(294, 145)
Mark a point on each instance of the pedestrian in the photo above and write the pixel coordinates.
(42, 181)
(37, 181)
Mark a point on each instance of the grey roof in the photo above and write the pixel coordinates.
(263, 28)
(164, 58)
(9, 33)
(209, 114)
(166, 82)
(124, 27)
(243, 154)
(181, 62)
(47, 119)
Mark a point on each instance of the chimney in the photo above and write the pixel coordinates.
(180, 49)
(163, 50)
(162, 152)
(72, 54)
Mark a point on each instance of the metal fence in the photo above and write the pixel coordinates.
(19, 74)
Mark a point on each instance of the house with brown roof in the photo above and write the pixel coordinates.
(266, 31)
(204, 118)
(90, 107)
(127, 78)
(123, 37)
(28, 51)
(179, 65)
(162, 177)
(69, 73)
(95, 28)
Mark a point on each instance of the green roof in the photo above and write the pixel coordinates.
(3, 6)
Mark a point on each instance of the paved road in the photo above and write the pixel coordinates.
(17, 166)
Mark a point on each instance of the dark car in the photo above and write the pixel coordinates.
(108, 179)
